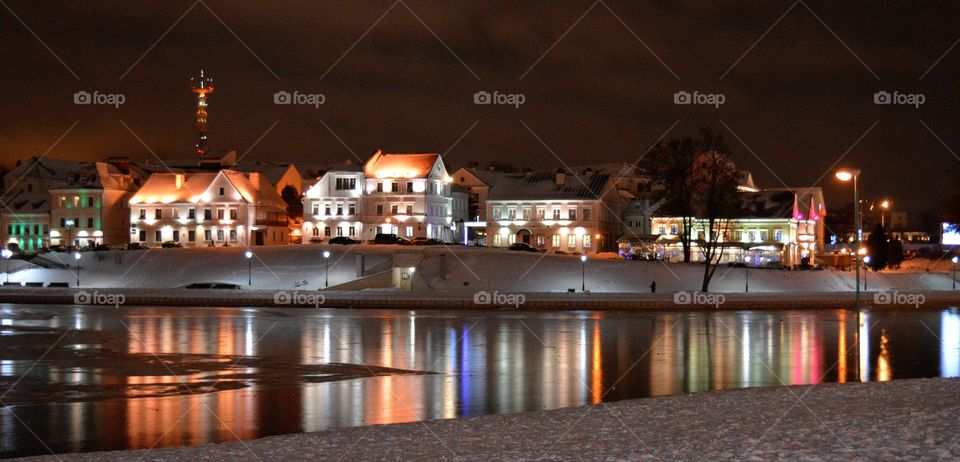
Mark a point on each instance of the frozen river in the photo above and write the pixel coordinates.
(99, 378)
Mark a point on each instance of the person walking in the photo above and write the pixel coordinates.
(653, 287)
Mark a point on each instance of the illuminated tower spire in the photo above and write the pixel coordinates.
(201, 86)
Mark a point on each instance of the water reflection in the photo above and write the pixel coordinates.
(138, 377)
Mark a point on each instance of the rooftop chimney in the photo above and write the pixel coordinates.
(180, 178)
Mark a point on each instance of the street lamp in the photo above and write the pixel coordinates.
(885, 205)
(854, 175)
(955, 260)
(583, 273)
(249, 256)
(76, 256)
(326, 268)
(69, 223)
(7, 253)
(866, 263)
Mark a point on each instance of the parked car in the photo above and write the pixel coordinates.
(524, 247)
(382, 238)
(426, 241)
(100, 247)
(137, 246)
(171, 245)
(343, 240)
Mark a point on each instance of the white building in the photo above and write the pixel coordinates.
(556, 212)
(404, 194)
(91, 208)
(208, 208)
(333, 206)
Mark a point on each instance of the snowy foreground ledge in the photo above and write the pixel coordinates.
(479, 300)
(903, 419)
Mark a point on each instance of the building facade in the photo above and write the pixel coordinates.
(404, 194)
(222, 208)
(91, 208)
(557, 212)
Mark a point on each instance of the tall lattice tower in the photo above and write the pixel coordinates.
(202, 85)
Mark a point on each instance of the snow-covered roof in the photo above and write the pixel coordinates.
(45, 169)
(26, 203)
(543, 186)
(190, 188)
(408, 165)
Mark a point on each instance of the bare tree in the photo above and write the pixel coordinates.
(716, 203)
(671, 165)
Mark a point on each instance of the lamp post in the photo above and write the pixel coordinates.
(746, 277)
(866, 263)
(249, 256)
(955, 260)
(69, 223)
(854, 175)
(7, 253)
(884, 206)
(76, 256)
(326, 269)
(583, 273)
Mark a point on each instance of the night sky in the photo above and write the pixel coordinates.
(598, 78)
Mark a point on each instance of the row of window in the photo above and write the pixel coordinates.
(24, 230)
(752, 235)
(328, 208)
(77, 223)
(192, 214)
(351, 231)
(586, 240)
(527, 213)
(208, 235)
(433, 187)
(75, 202)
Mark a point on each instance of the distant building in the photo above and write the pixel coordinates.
(25, 221)
(226, 207)
(404, 194)
(91, 208)
(557, 211)
(25, 211)
(775, 227)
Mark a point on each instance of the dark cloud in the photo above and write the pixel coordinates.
(799, 98)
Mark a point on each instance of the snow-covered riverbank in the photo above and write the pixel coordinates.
(899, 420)
(441, 269)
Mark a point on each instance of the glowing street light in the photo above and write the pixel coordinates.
(866, 263)
(885, 205)
(326, 269)
(846, 175)
(249, 256)
(583, 273)
(76, 256)
(7, 253)
(69, 224)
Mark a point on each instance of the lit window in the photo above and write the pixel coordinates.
(586, 241)
(778, 235)
(571, 241)
(555, 241)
